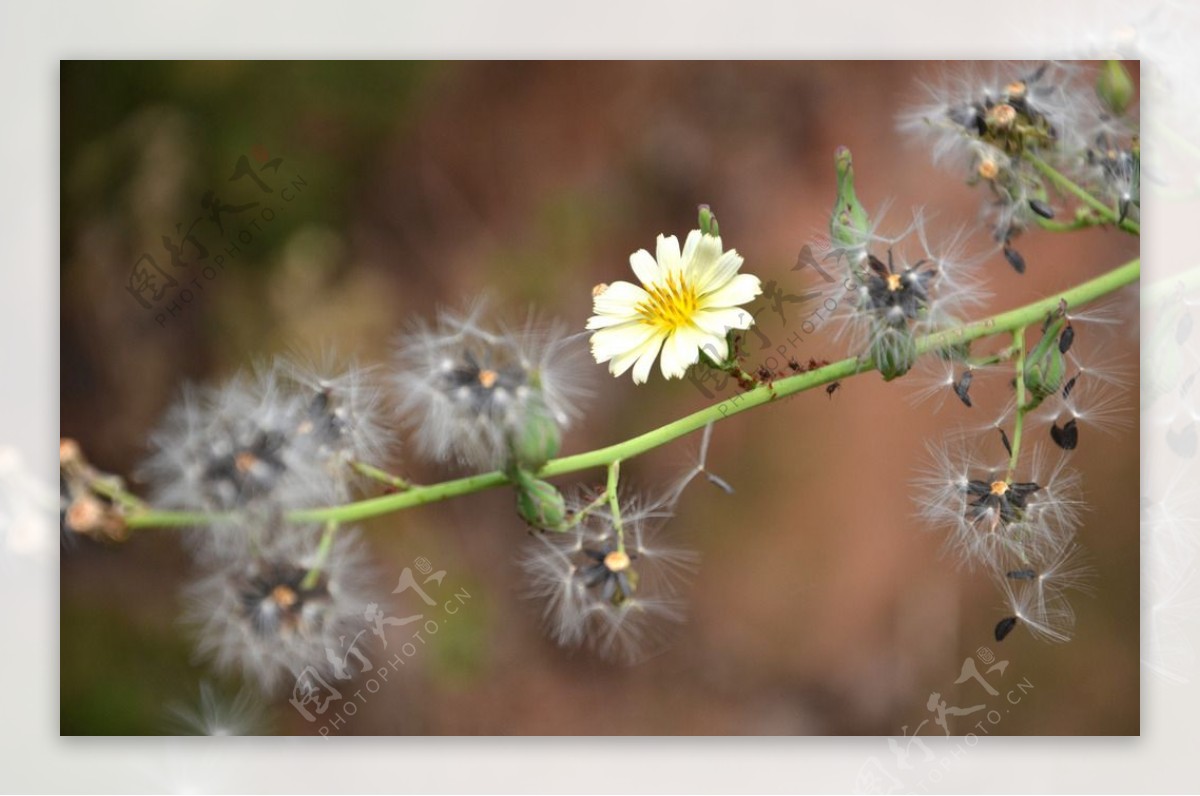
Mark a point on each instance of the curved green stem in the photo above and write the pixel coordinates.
(1005, 322)
(326, 544)
(1068, 185)
(614, 504)
(1019, 382)
(382, 476)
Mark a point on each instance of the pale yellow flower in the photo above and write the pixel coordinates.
(687, 303)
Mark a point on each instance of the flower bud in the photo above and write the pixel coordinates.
(1115, 87)
(708, 222)
(894, 351)
(539, 503)
(537, 440)
(1045, 365)
(849, 224)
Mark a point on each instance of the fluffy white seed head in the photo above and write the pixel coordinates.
(262, 614)
(989, 517)
(467, 391)
(344, 418)
(899, 286)
(235, 447)
(615, 600)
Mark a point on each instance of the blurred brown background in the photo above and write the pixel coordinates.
(821, 606)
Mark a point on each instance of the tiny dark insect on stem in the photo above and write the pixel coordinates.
(1066, 339)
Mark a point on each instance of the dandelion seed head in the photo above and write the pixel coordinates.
(344, 412)
(609, 592)
(468, 392)
(261, 614)
(234, 448)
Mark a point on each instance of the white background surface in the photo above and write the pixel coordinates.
(35, 35)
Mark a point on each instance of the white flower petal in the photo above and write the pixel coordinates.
(716, 346)
(647, 353)
(740, 290)
(612, 341)
(619, 298)
(680, 351)
(726, 268)
(605, 321)
(623, 361)
(698, 268)
(644, 266)
(722, 320)
(669, 259)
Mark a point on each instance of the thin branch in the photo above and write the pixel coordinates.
(1004, 323)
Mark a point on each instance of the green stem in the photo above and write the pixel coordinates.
(582, 514)
(1064, 183)
(382, 476)
(1005, 322)
(1019, 422)
(111, 489)
(614, 504)
(1080, 222)
(314, 574)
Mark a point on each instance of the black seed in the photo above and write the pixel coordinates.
(1004, 439)
(1041, 208)
(877, 265)
(1014, 259)
(1021, 574)
(962, 386)
(1066, 437)
(1066, 338)
(1004, 627)
(1070, 386)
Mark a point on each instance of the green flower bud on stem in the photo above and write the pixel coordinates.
(849, 224)
(894, 351)
(708, 221)
(1115, 87)
(1045, 364)
(538, 441)
(538, 502)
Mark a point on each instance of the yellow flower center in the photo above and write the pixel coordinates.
(671, 304)
(487, 378)
(893, 282)
(999, 487)
(988, 169)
